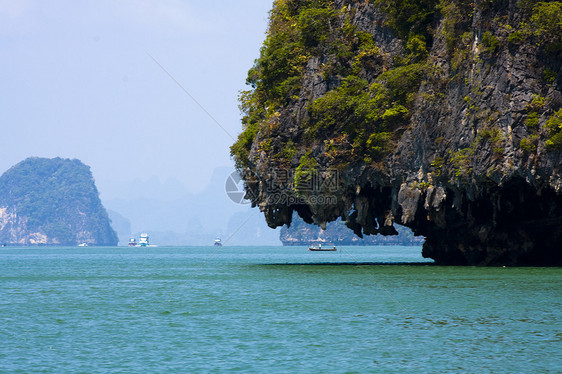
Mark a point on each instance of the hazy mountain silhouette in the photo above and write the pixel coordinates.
(173, 216)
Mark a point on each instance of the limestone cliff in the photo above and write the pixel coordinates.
(441, 115)
(52, 202)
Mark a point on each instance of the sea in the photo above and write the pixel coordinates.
(272, 310)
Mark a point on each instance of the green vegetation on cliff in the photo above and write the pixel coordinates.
(52, 201)
(370, 99)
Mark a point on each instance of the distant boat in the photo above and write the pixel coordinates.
(320, 249)
(143, 241)
(218, 242)
(83, 244)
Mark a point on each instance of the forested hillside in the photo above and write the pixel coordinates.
(52, 202)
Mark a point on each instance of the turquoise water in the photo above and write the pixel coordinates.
(272, 310)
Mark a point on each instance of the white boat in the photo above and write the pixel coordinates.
(143, 241)
(83, 244)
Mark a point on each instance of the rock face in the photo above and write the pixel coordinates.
(52, 202)
(444, 118)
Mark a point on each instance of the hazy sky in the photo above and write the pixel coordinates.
(78, 81)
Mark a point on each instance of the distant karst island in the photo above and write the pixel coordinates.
(52, 202)
(337, 233)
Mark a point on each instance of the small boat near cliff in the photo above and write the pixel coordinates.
(320, 249)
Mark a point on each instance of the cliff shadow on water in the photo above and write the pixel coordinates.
(440, 115)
